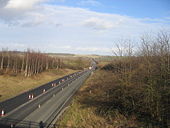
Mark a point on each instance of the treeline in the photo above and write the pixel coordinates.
(27, 63)
(143, 80)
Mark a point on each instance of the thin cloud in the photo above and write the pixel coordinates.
(3, 3)
(89, 2)
(96, 23)
(69, 26)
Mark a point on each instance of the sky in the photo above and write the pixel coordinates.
(79, 26)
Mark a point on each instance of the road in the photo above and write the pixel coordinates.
(45, 106)
(14, 102)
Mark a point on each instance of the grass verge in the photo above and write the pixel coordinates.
(13, 85)
(88, 106)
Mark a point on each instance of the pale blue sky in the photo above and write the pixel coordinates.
(79, 26)
(134, 8)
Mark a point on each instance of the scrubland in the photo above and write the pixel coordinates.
(132, 91)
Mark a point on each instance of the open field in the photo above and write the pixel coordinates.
(13, 85)
(67, 55)
(75, 56)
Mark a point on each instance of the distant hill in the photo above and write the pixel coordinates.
(69, 55)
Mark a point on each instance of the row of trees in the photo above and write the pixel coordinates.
(144, 77)
(28, 63)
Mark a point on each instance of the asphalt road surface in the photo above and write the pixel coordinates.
(45, 106)
(14, 102)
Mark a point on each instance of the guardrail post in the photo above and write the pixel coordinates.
(54, 125)
(30, 124)
(12, 126)
(41, 124)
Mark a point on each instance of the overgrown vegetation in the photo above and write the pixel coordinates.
(92, 108)
(132, 91)
(143, 80)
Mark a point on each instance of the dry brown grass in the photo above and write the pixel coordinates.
(13, 85)
(83, 112)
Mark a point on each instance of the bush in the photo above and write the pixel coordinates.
(144, 81)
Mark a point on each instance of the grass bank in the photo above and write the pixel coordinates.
(91, 107)
(13, 85)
